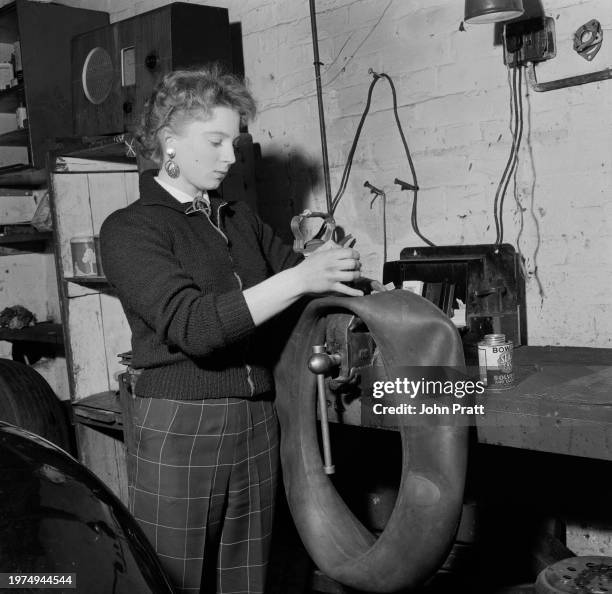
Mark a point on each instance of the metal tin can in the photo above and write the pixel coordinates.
(495, 362)
(84, 261)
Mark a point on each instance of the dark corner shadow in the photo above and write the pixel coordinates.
(533, 10)
(284, 182)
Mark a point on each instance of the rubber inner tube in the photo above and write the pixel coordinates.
(411, 331)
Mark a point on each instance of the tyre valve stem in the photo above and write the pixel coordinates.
(320, 363)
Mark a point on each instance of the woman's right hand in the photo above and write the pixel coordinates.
(326, 270)
(323, 271)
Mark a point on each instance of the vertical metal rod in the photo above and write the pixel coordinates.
(317, 65)
(384, 217)
(327, 456)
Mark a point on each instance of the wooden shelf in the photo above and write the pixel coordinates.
(14, 138)
(25, 242)
(14, 238)
(8, 91)
(88, 281)
(22, 176)
(101, 409)
(45, 332)
(11, 97)
(117, 148)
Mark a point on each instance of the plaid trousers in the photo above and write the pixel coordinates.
(202, 484)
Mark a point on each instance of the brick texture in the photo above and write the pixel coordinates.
(453, 95)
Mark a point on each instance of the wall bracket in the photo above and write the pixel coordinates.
(562, 83)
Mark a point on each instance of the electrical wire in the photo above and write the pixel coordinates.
(520, 209)
(415, 189)
(519, 122)
(517, 136)
(349, 162)
(516, 107)
(532, 196)
(317, 65)
(509, 162)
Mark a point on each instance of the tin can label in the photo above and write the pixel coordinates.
(495, 365)
(84, 256)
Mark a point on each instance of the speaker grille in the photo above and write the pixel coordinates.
(97, 75)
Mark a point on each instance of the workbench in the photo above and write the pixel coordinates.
(561, 403)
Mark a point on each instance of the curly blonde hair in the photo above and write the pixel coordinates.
(183, 95)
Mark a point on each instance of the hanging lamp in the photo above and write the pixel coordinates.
(492, 11)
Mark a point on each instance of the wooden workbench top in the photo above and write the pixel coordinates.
(561, 403)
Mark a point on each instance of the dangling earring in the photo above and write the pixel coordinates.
(172, 168)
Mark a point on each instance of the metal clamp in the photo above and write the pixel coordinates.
(300, 244)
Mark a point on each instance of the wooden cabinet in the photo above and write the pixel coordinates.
(125, 60)
(44, 32)
(35, 67)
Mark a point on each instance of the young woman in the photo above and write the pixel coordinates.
(198, 278)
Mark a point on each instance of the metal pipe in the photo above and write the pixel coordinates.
(562, 83)
(317, 65)
(327, 457)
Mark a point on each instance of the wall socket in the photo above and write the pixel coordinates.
(531, 40)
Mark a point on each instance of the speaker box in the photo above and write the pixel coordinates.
(115, 68)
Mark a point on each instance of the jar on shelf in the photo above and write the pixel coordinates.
(84, 261)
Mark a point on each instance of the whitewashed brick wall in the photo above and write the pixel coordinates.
(454, 105)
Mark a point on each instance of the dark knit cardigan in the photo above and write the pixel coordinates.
(180, 280)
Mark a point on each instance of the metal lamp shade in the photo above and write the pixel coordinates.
(492, 11)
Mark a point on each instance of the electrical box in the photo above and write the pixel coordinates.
(530, 40)
(488, 279)
(115, 68)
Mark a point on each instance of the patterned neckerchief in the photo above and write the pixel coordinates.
(199, 204)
